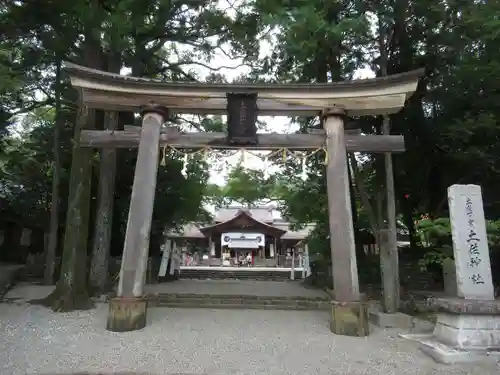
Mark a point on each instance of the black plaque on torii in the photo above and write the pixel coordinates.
(241, 119)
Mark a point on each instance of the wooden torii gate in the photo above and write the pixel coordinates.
(156, 100)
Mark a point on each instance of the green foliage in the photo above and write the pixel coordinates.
(9, 77)
(435, 233)
(314, 40)
(178, 197)
(27, 164)
(247, 187)
(437, 241)
(158, 39)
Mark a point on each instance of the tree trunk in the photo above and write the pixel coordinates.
(50, 255)
(105, 198)
(389, 256)
(363, 195)
(360, 253)
(71, 289)
(104, 215)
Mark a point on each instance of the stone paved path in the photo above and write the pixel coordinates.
(213, 342)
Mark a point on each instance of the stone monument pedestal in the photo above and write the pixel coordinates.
(466, 330)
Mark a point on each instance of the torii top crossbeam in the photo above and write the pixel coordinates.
(108, 91)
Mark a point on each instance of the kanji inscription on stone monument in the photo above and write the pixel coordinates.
(470, 242)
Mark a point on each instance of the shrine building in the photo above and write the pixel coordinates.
(237, 232)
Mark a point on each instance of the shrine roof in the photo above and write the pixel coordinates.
(241, 218)
(192, 231)
(298, 234)
(104, 90)
(263, 214)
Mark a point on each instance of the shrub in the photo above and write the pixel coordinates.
(435, 235)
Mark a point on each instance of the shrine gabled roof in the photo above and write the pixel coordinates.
(235, 222)
(104, 90)
(263, 214)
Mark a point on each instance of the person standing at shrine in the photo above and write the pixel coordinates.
(249, 259)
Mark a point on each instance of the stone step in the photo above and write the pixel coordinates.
(184, 296)
(242, 306)
(238, 302)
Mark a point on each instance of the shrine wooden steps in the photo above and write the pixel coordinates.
(239, 274)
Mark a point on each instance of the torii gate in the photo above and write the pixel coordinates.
(242, 102)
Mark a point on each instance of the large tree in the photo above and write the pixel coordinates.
(157, 39)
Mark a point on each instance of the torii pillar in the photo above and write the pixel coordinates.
(349, 314)
(127, 312)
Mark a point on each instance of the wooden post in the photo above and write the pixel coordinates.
(302, 262)
(178, 255)
(209, 251)
(171, 270)
(306, 260)
(165, 258)
(212, 250)
(349, 314)
(389, 256)
(127, 312)
(276, 253)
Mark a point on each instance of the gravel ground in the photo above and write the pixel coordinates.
(35, 340)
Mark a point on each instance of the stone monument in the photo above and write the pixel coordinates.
(468, 326)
